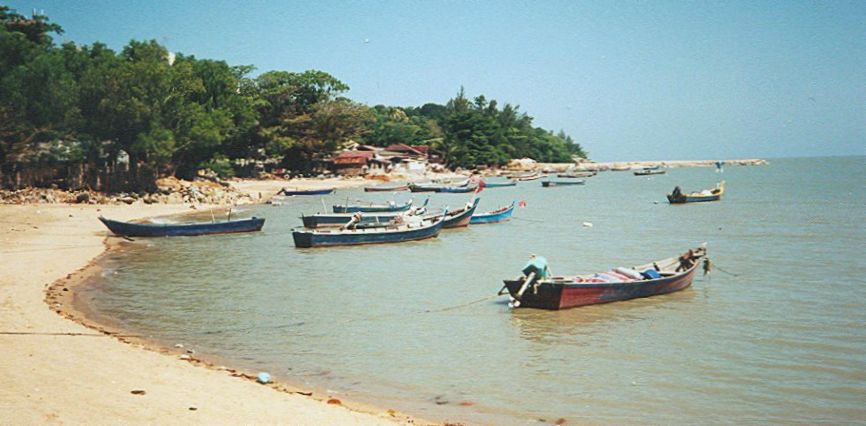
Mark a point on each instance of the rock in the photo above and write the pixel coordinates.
(184, 357)
(263, 378)
(179, 345)
(82, 198)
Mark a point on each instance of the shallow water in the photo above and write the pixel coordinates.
(774, 334)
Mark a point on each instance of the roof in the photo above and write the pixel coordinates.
(353, 157)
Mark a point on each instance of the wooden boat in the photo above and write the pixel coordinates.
(551, 183)
(324, 220)
(527, 177)
(498, 184)
(395, 233)
(460, 218)
(577, 175)
(424, 187)
(715, 194)
(457, 189)
(536, 290)
(290, 192)
(494, 216)
(386, 188)
(182, 229)
(646, 171)
(371, 207)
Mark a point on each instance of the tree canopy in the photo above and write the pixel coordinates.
(126, 118)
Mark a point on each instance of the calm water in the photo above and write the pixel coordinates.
(782, 341)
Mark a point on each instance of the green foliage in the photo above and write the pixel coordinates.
(174, 114)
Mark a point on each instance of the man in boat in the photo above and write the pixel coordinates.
(353, 222)
(677, 193)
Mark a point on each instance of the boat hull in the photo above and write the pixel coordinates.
(494, 217)
(323, 220)
(307, 192)
(309, 239)
(386, 188)
(462, 217)
(650, 172)
(548, 184)
(563, 296)
(182, 230)
(498, 184)
(371, 208)
(693, 198)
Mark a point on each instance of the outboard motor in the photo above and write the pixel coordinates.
(535, 270)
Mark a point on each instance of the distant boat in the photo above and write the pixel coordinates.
(386, 188)
(494, 216)
(577, 175)
(372, 208)
(537, 290)
(425, 187)
(646, 171)
(715, 194)
(498, 184)
(182, 229)
(394, 233)
(323, 220)
(527, 177)
(460, 218)
(550, 183)
(457, 189)
(289, 192)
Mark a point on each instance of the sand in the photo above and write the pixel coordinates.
(58, 371)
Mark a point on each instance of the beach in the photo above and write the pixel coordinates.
(59, 371)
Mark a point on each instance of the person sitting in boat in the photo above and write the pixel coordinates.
(353, 222)
(397, 220)
(677, 193)
(686, 261)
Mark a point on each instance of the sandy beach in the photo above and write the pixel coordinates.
(58, 371)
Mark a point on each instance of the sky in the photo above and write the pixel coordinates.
(628, 80)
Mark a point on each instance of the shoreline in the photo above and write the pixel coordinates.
(72, 369)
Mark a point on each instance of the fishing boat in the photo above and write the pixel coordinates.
(551, 183)
(291, 192)
(577, 175)
(372, 208)
(424, 187)
(536, 289)
(527, 177)
(647, 171)
(386, 188)
(394, 233)
(182, 229)
(457, 189)
(323, 220)
(498, 215)
(460, 218)
(498, 184)
(715, 194)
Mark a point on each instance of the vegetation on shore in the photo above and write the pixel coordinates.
(87, 116)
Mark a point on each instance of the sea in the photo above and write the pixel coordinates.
(776, 333)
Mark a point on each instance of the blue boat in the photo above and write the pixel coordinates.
(372, 208)
(457, 189)
(495, 216)
(499, 184)
(396, 233)
(182, 229)
(288, 192)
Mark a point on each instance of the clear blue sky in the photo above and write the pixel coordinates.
(628, 80)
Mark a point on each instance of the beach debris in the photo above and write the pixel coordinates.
(179, 345)
(263, 378)
(335, 401)
(392, 413)
(190, 351)
(193, 408)
(184, 356)
(138, 392)
(466, 403)
(304, 393)
(560, 421)
(587, 224)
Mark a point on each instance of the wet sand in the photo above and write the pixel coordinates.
(57, 370)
